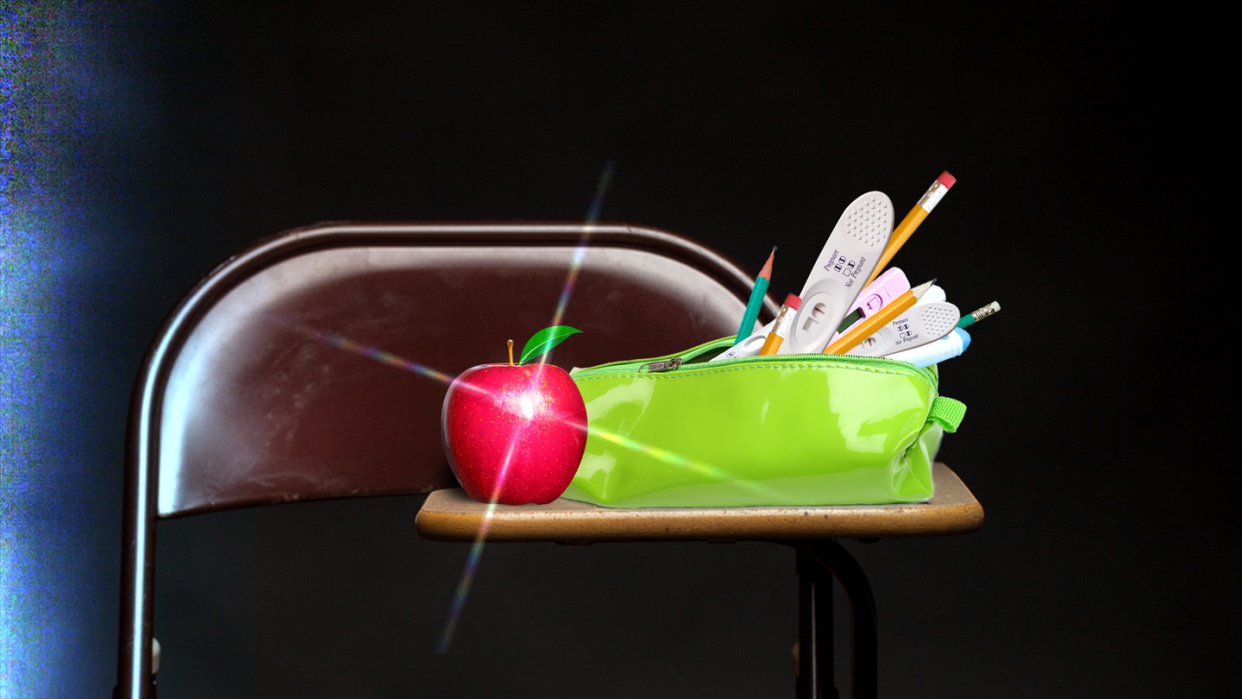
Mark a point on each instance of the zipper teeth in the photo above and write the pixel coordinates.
(636, 366)
(832, 358)
(638, 363)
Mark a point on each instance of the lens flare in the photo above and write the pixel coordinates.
(464, 585)
(664, 455)
(379, 355)
(575, 266)
(476, 548)
(472, 561)
(462, 593)
(393, 360)
(571, 277)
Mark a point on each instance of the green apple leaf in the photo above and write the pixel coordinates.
(544, 340)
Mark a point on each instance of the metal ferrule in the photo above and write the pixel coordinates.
(932, 196)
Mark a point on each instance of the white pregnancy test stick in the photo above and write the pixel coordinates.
(746, 348)
(934, 295)
(949, 346)
(845, 264)
(750, 346)
(916, 327)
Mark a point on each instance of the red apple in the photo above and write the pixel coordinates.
(514, 433)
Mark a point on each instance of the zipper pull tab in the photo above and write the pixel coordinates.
(666, 365)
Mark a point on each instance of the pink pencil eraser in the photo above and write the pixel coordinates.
(946, 179)
(793, 301)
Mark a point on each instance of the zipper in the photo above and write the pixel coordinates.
(685, 361)
(665, 365)
(636, 365)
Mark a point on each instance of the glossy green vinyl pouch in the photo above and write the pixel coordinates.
(678, 431)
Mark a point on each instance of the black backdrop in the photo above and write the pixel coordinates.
(1080, 206)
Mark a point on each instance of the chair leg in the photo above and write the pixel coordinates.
(816, 560)
(135, 662)
(139, 658)
(816, 674)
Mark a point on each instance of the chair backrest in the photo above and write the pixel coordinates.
(314, 365)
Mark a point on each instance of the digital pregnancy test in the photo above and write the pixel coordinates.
(845, 264)
(921, 325)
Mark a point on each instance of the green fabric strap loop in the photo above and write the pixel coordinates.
(948, 413)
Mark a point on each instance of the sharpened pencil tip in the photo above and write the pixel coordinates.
(922, 289)
(766, 272)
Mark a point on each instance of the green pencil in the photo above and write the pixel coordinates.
(971, 319)
(756, 300)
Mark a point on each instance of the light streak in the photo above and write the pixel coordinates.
(472, 561)
(393, 360)
(571, 277)
(383, 357)
(476, 549)
(480, 538)
(663, 455)
(466, 582)
(575, 266)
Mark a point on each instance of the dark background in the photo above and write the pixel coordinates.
(1085, 204)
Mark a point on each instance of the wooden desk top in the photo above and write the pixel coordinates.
(450, 515)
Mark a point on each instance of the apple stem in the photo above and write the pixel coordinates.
(510, 352)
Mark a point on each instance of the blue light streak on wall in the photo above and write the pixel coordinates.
(39, 588)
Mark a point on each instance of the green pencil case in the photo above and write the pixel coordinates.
(802, 430)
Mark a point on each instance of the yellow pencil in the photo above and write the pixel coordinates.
(780, 328)
(911, 222)
(868, 326)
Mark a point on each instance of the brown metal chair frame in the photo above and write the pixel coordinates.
(143, 468)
